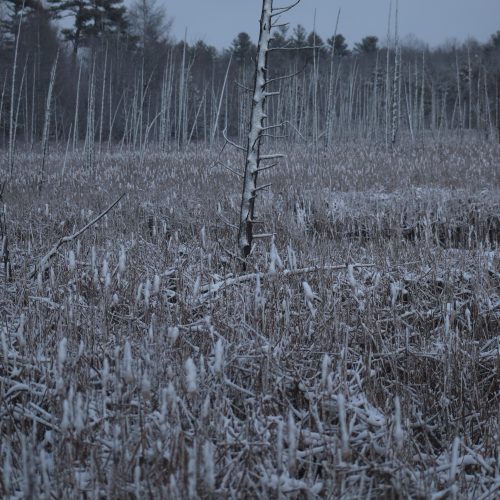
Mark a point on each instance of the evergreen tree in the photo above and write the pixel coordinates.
(340, 45)
(368, 45)
(299, 38)
(12, 13)
(243, 48)
(94, 20)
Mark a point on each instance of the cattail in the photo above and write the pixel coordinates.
(95, 279)
(292, 442)
(107, 283)
(127, 358)
(274, 252)
(105, 376)
(376, 283)
(20, 332)
(279, 448)
(65, 422)
(173, 333)
(219, 353)
(156, 285)
(394, 294)
(191, 377)
(329, 384)
(122, 260)
(258, 298)
(78, 248)
(350, 274)
(116, 441)
(398, 432)
(196, 286)
(147, 293)
(5, 350)
(203, 244)
(163, 411)
(115, 299)
(81, 349)
(146, 386)
(93, 259)
(104, 268)
(46, 210)
(467, 315)
(202, 369)
(272, 265)
(454, 459)
(291, 258)
(208, 458)
(72, 263)
(344, 437)
(79, 419)
(325, 369)
(137, 481)
(308, 291)
(310, 296)
(172, 397)
(139, 293)
(192, 495)
(7, 469)
(39, 282)
(174, 491)
(62, 353)
(52, 277)
(205, 409)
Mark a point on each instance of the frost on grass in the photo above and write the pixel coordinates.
(144, 363)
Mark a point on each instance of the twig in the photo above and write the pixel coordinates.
(44, 263)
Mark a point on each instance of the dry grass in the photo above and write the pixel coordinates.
(294, 395)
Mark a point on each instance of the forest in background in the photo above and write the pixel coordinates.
(121, 79)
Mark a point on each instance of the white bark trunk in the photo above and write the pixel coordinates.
(45, 135)
(257, 118)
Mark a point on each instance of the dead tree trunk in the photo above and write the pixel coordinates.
(257, 116)
(46, 123)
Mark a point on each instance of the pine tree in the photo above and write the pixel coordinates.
(243, 48)
(94, 20)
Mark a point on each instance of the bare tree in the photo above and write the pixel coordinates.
(45, 136)
(257, 129)
(12, 92)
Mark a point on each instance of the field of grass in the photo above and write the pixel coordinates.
(357, 356)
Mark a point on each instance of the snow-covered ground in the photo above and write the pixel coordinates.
(357, 355)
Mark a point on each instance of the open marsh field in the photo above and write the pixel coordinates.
(356, 356)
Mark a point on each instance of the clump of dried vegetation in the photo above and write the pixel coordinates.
(357, 355)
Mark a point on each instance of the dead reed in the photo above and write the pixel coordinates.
(145, 363)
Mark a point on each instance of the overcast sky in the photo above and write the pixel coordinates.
(217, 22)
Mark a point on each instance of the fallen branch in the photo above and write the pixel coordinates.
(247, 277)
(44, 263)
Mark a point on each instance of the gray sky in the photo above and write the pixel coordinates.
(217, 22)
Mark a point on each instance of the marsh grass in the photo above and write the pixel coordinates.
(146, 364)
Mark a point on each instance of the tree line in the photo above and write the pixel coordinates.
(122, 81)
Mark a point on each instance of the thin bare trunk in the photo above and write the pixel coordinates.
(45, 135)
(12, 98)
